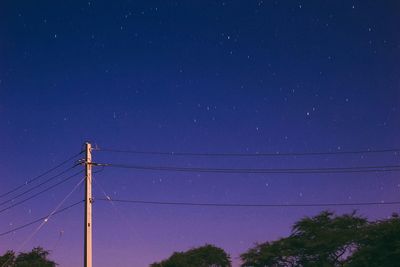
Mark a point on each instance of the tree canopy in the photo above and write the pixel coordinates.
(325, 240)
(329, 240)
(379, 245)
(38, 257)
(205, 256)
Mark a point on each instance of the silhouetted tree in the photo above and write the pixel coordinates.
(323, 240)
(205, 256)
(326, 240)
(379, 245)
(8, 259)
(35, 258)
(274, 254)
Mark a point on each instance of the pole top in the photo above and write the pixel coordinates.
(88, 145)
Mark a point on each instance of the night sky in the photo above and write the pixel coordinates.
(194, 76)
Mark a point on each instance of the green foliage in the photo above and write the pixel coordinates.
(35, 258)
(379, 246)
(327, 240)
(205, 256)
(8, 259)
(273, 254)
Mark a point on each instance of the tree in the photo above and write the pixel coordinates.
(379, 246)
(35, 258)
(205, 256)
(273, 254)
(323, 240)
(326, 240)
(8, 259)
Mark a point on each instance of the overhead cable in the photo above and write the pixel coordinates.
(39, 176)
(353, 169)
(40, 219)
(40, 192)
(38, 185)
(255, 154)
(247, 205)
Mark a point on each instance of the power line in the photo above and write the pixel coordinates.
(41, 175)
(51, 214)
(354, 169)
(40, 219)
(247, 205)
(47, 218)
(40, 192)
(256, 154)
(38, 185)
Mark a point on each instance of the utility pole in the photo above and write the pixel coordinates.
(88, 207)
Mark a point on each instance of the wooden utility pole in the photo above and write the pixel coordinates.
(88, 207)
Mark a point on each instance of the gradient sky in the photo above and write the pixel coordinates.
(194, 76)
